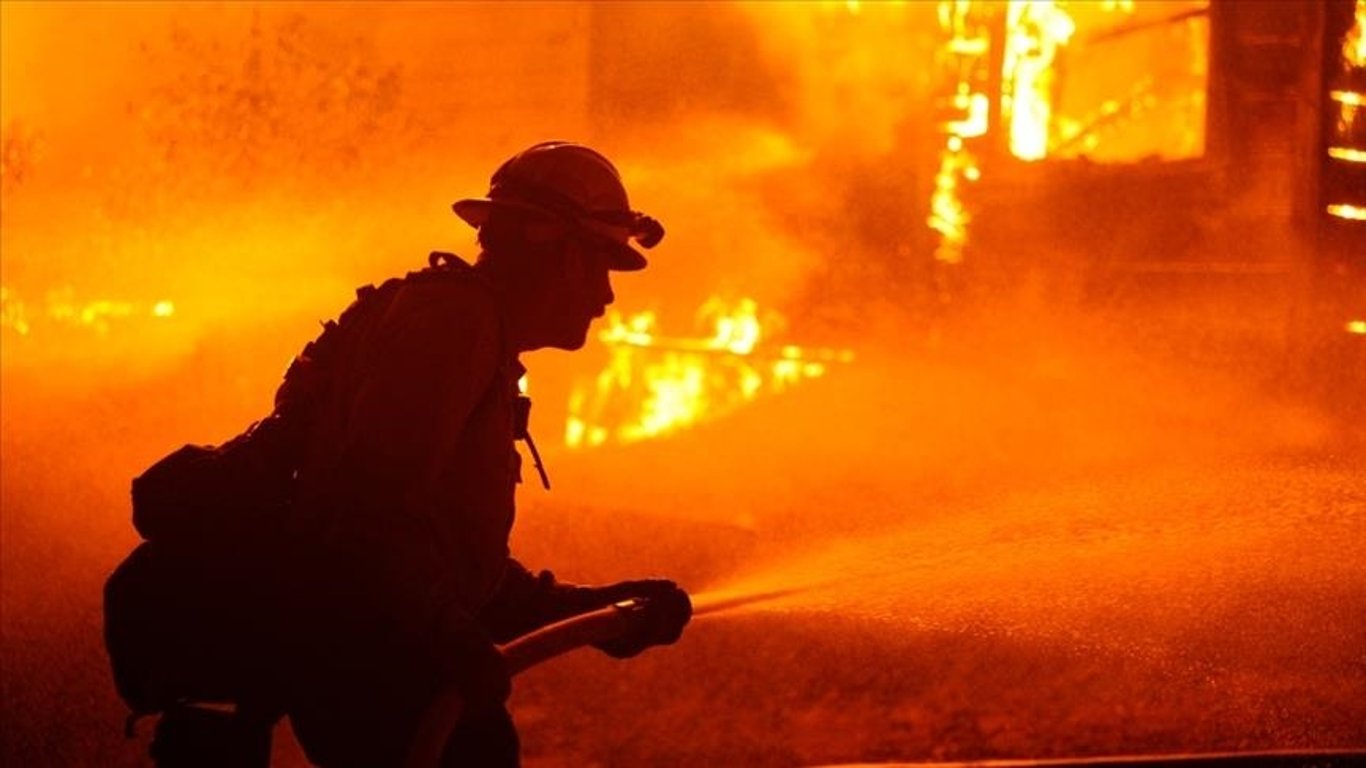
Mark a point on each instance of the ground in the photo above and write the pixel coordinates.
(1052, 552)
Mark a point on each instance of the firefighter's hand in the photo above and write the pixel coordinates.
(659, 620)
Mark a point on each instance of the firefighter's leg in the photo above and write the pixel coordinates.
(484, 737)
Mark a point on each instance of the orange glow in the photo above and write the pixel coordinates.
(655, 385)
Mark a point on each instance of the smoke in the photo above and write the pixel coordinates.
(290, 149)
(253, 163)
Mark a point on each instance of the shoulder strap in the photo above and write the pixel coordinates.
(310, 373)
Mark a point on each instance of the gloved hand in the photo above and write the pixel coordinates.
(659, 619)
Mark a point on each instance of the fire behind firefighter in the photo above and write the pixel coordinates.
(399, 581)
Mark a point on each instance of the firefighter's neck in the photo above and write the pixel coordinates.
(522, 300)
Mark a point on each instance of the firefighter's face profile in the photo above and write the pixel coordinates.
(583, 293)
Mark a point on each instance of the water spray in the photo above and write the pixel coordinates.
(721, 601)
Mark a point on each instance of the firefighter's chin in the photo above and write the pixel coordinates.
(570, 339)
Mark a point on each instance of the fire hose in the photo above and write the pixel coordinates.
(442, 715)
(435, 727)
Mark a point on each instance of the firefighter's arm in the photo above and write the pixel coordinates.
(525, 602)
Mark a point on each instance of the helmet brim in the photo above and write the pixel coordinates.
(476, 211)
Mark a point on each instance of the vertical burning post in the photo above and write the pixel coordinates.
(965, 57)
(1035, 31)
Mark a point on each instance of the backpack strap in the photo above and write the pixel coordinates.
(309, 375)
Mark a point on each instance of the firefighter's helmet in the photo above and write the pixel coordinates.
(572, 183)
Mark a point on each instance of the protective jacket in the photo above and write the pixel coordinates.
(404, 504)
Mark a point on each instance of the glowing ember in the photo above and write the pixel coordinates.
(653, 385)
(1035, 30)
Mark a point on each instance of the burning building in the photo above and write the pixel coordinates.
(1141, 158)
(1190, 169)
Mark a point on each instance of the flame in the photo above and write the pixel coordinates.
(1349, 104)
(1349, 212)
(1357, 327)
(1354, 44)
(654, 385)
(966, 52)
(1035, 30)
(1347, 154)
(62, 309)
(13, 314)
(1349, 98)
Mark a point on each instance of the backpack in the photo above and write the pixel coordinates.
(190, 614)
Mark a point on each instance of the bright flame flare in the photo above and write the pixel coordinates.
(1349, 212)
(1035, 31)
